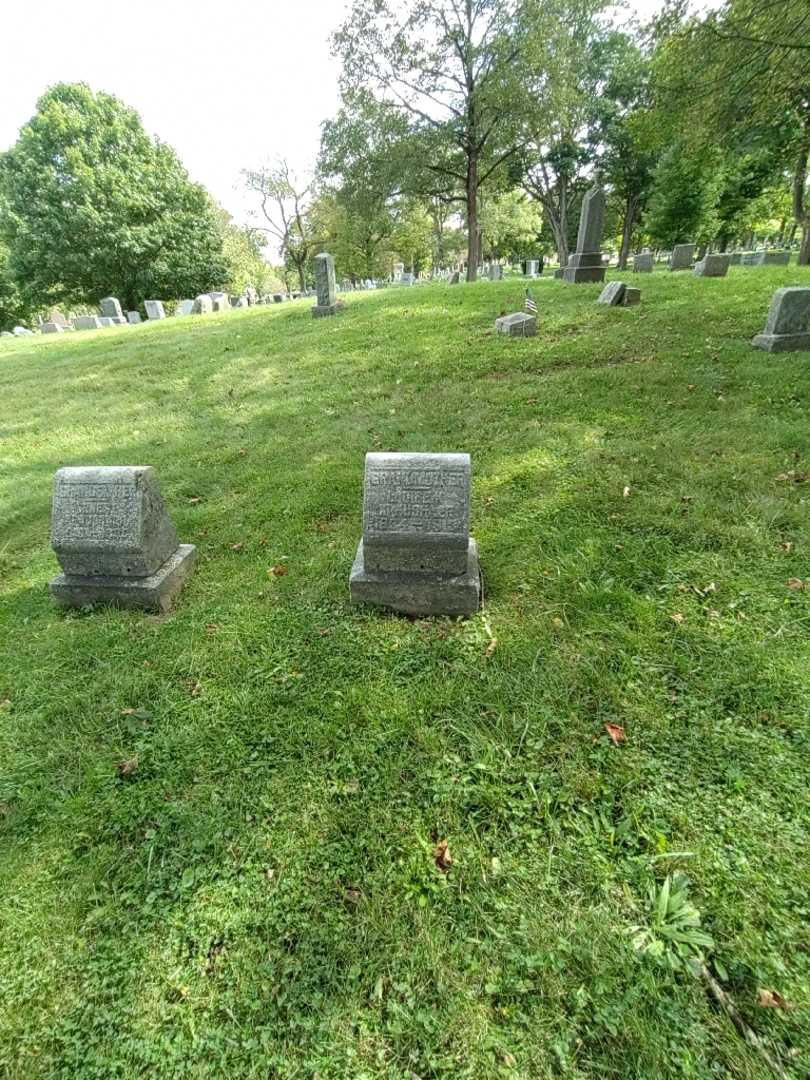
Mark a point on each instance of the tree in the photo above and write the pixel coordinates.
(13, 308)
(246, 265)
(510, 225)
(683, 198)
(560, 107)
(450, 67)
(94, 207)
(284, 200)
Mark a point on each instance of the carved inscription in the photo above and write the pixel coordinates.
(416, 501)
(89, 512)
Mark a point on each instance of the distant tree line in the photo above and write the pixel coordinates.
(91, 206)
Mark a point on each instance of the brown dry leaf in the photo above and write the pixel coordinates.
(442, 857)
(787, 545)
(795, 583)
(195, 500)
(127, 768)
(352, 897)
(278, 571)
(490, 649)
(211, 628)
(4, 704)
(237, 547)
(242, 451)
(195, 688)
(127, 712)
(772, 999)
(616, 733)
(677, 618)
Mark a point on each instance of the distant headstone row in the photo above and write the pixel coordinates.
(116, 543)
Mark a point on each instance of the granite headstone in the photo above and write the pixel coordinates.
(788, 326)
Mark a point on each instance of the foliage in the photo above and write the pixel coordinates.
(284, 200)
(13, 308)
(94, 207)
(510, 225)
(673, 933)
(682, 203)
(243, 248)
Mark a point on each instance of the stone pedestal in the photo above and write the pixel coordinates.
(584, 267)
(114, 539)
(612, 294)
(643, 263)
(111, 308)
(133, 318)
(788, 326)
(416, 555)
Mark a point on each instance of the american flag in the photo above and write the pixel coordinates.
(530, 306)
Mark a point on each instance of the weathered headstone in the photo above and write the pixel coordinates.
(87, 322)
(52, 328)
(325, 285)
(133, 318)
(111, 308)
(559, 273)
(114, 539)
(241, 302)
(416, 555)
(712, 265)
(56, 316)
(203, 305)
(586, 263)
(277, 298)
(220, 301)
(154, 309)
(788, 326)
(643, 263)
(21, 331)
(399, 270)
(612, 294)
(455, 277)
(119, 320)
(735, 258)
(105, 321)
(682, 257)
(496, 272)
(521, 324)
(771, 258)
(185, 307)
(631, 297)
(750, 258)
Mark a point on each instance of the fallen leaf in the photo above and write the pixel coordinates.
(278, 571)
(211, 628)
(352, 897)
(237, 546)
(242, 451)
(772, 999)
(4, 704)
(795, 583)
(677, 618)
(626, 493)
(442, 857)
(127, 712)
(195, 500)
(195, 688)
(616, 733)
(490, 649)
(127, 768)
(787, 545)
(269, 873)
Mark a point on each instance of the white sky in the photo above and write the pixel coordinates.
(228, 85)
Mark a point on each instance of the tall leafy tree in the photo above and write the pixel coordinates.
(93, 206)
(284, 200)
(451, 69)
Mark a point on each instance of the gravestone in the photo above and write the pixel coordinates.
(87, 322)
(220, 301)
(788, 326)
(154, 309)
(185, 307)
(455, 277)
(399, 270)
(559, 272)
(585, 264)
(682, 257)
(133, 318)
(6, 333)
(496, 272)
(277, 298)
(771, 258)
(521, 324)
(531, 267)
(203, 305)
(119, 320)
(52, 328)
(735, 258)
(21, 331)
(643, 263)
(416, 555)
(56, 316)
(714, 265)
(241, 302)
(631, 297)
(105, 321)
(114, 539)
(325, 285)
(750, 258)
(111, 308)
(612, 294)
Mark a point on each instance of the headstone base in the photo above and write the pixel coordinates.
(418, 594)
(320, 311)
(154, 593)
(584, 267)
(782, 342)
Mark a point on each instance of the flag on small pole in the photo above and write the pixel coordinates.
(530, 306)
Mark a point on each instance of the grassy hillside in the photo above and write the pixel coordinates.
(260, 897)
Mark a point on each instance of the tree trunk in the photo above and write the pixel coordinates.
(627, 229)
(472, 217)
(801, 212)
(302, 280)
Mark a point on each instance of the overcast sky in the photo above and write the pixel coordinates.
(228, 85)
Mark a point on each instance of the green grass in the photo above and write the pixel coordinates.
(260, 898)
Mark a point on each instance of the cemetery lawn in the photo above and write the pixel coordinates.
(259, 895)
